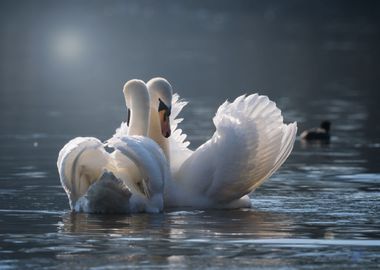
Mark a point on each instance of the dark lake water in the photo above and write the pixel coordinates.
(320, 210)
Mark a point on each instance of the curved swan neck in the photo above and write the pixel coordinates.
(138, 101)
(155, 132)
(159, 90)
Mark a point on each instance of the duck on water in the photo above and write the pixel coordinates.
(321, 133)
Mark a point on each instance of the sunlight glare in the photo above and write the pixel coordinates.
(68, 45)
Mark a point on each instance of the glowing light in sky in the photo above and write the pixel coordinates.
(68, 45)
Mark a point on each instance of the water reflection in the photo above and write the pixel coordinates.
(182, 225)
(207, 238)
(308, 145)
(174, 237)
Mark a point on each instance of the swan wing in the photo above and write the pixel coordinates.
(152, 165)
(179, 150)
(80, 163)
(250, 143)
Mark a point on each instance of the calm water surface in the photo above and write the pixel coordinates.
(318, 61)
(321, 209)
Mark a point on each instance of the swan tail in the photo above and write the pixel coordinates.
(80, 163)
(108, 195)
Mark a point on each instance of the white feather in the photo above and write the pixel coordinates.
(250, 143)
(80, 163)
(98, 182)
(130, 179)
(179, 150)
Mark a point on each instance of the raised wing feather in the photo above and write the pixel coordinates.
(179, 150)
(119, 133)
(131, 179)
(80, 163)
(134, 148)
(250, 143)
(153, 167)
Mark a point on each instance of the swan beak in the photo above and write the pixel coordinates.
(165, 123)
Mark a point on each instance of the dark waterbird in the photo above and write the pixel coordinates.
(321, 133)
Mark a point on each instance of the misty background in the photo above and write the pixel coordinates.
(77, 55)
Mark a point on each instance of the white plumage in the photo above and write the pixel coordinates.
(130, 179)
(250, 143)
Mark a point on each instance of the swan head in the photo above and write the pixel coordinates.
(132, 89)
(137, 100)
(326, 125)
(161, 92)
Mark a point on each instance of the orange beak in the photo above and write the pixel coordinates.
(165, 123)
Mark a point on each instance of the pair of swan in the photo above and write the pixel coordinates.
(129, 179)
(151, 165)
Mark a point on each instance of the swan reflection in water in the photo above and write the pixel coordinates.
(174, 237)
(182, 224)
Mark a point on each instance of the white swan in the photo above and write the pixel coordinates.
(130, 179)
(250, 143)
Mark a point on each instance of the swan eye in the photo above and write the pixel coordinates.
(162, 106)
(128, 117)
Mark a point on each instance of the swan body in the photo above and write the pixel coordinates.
(250, 143)
(130, 178)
